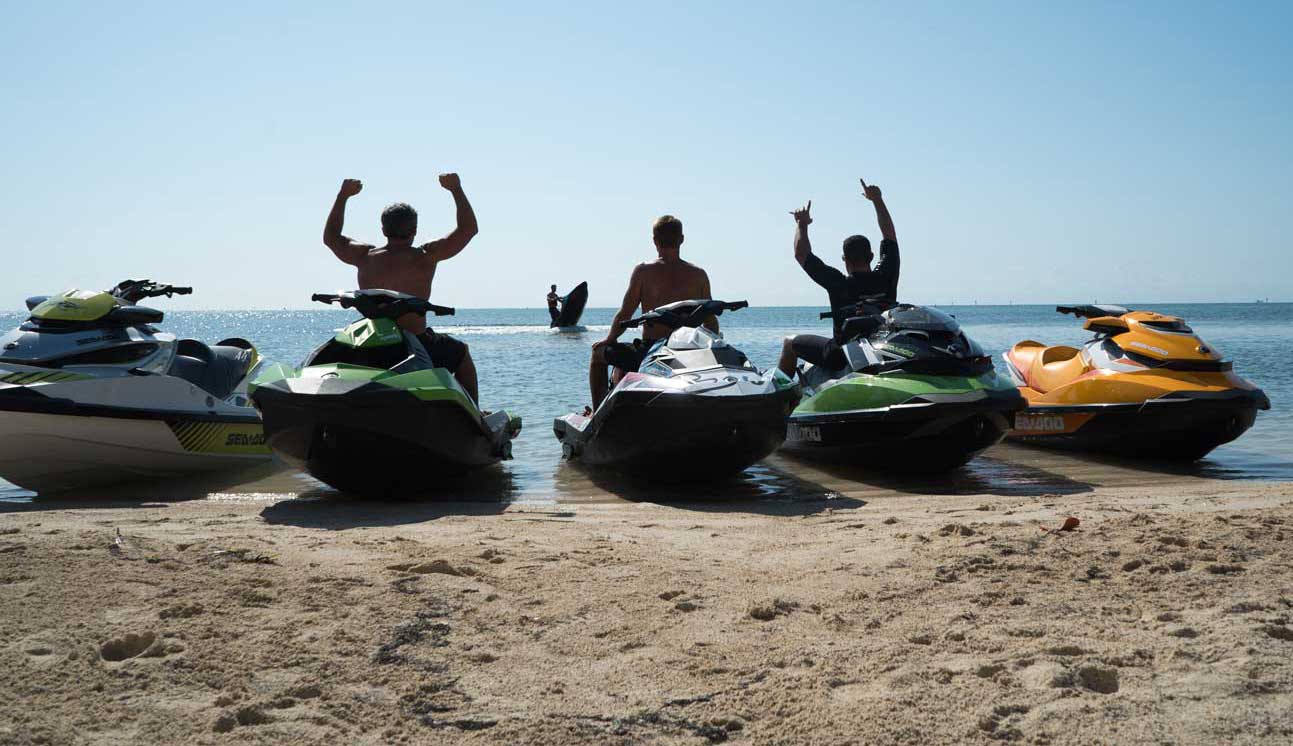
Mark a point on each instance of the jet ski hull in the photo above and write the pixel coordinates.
(1180, 428)
(572, 307)
(930, 435)
(675, 436)
(50, 453)
(61, 441)
(379, 443)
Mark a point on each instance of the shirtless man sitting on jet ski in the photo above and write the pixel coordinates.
(653, 284)
(858, 281)
(405, 268)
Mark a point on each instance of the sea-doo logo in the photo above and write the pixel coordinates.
(1151, 348)
(105, 337)
(243, 439)
(1046, 423)
(810, 433)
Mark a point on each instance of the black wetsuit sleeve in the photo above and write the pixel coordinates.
(828, 277)
(888, 267)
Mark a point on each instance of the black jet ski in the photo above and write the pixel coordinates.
(368, 413)
(696, 408)
(572, 307)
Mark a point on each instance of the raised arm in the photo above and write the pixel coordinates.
(347, 249)
(803, 249)
(872, 193)
(457, 240)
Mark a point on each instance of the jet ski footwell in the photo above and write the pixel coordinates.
(674, 436)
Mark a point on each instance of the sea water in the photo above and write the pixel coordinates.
(540, 373)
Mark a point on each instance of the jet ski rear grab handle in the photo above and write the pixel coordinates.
(379, 307)
(697, 317)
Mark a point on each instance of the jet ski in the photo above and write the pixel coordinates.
(1144, 385)
(572, 307)
(369, 414)
(916, 393)
(91, 393)
(696, 408)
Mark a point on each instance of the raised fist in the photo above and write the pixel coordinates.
(450, 181)
(351, 187)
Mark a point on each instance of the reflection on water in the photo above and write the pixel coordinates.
(762, 488)
(781, 485)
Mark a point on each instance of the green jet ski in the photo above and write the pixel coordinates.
(916, 393)
(369, 414)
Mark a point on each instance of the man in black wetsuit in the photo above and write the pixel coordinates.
(553, 300)
(858, 281)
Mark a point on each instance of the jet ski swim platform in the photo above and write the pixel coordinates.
(370, 414)
(916, 393)
(695, 409)
(1144, 386)
(91, 394)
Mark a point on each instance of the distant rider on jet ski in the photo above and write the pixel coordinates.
(861, 281)
(554, 301)
(653, 284)
(401, 266)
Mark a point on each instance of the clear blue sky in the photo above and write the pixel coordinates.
(1029, 152)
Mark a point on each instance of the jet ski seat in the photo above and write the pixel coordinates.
(1053, 367)
(216, 370)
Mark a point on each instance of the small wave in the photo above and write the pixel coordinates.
(501, 330)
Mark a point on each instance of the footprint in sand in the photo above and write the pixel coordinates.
(1279, 632)
(131, 646)
(244, 717)
(1054, 675)
(434, 567)
(1002, 720)
(304, 691)
(769, 610)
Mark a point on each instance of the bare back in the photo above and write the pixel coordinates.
(405, 270)
(662, 282)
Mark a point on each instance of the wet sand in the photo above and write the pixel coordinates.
(801, 604)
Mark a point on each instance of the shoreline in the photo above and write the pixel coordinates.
(867, 614)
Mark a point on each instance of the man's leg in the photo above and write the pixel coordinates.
(811, 348)
(597, 385)
(466, 375)
(454, 355)
(788, 357)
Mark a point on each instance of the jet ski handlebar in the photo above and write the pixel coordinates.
(865, 307)
(382, 304)
(131, 292)
(686, 313)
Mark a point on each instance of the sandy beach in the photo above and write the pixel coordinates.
(844, 612)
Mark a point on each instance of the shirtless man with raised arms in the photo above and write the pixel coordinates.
(405, 268)
(653, 284)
